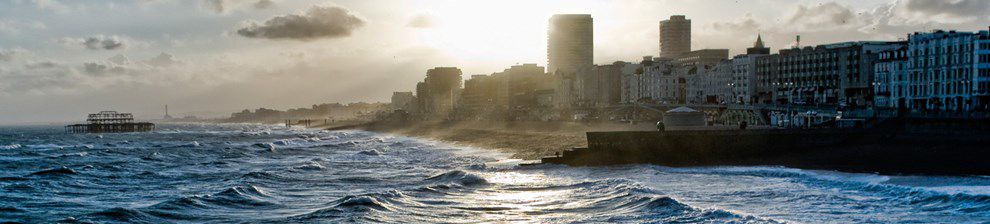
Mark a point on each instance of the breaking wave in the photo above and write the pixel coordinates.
(243, 173)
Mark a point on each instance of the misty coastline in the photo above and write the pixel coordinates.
(528, 140)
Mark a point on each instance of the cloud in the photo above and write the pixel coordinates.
(14, 27)
(318, 22)
(102, 69)
(264, 4)
(98, 42)
(119, 59)
(163, 60)
(43, 65)
(218, 6)
(828, 16)
(10, 55)
(421, 21)
(53, 5)
(957, 8)
(744, 25)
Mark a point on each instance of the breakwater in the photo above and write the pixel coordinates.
(903, 146)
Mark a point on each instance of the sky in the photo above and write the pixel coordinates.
(60, 60)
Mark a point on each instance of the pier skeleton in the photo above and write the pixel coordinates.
(110, 122)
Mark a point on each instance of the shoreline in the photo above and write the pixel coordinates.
(523, 140)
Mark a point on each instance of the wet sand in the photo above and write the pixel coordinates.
(524, 140)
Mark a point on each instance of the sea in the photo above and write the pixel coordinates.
(251, 173)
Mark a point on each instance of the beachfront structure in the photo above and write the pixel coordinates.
(570, 43)
(601, 85)
(570, 48)
(890, 84)
(675, 36)
(947, 71)
(403, 101)
(436, 95)
(758, 47)
(110, 122)
(743, 71)
(703, 57)
(837, 74)
(512, 92)
(710, 84)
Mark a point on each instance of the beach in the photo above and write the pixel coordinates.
(524, 140)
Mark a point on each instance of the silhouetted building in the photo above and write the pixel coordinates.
(675, 36)
(437, 93)
(708, 57)
(480, 96)
(570, 43)
(838, 74)
(758, 47)
(570, 48)
(403, 101)
(602, 84)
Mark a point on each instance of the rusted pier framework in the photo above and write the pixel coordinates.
(110, 122)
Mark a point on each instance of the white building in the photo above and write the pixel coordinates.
(710, 84)
(890, 82)
(743, 79)
(948, 71)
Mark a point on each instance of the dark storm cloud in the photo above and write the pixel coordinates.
(318, 22)
(103, 42)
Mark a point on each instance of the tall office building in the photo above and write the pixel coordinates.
(675, 36)
(436, 93)
(570, 43)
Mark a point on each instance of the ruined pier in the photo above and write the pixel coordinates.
(110, 122)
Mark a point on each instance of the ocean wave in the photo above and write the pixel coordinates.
(920, 197)
(55, 171)
(932, 200)
(370, 152)
(458, 177)
(348, 206)
(265, 145)
(10, 209)
(11, 146)
(117, 214)
(623, 200)
(238, 197)
(310, 166)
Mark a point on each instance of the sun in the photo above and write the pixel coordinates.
(499, 33)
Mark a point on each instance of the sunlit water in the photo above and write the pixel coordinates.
(269, 174)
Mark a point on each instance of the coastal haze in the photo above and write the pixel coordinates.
(462, 111)
(64, 59)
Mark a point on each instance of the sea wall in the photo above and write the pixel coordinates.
(903, 148)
